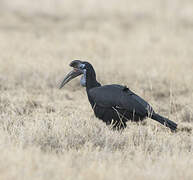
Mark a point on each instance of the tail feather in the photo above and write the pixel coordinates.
(166, 122)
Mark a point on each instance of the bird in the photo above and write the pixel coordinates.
(114, 104)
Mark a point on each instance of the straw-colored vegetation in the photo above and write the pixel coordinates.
(49, 134)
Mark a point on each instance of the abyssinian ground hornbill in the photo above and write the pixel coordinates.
(114, 104)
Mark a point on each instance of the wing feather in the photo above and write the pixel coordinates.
(116, 95)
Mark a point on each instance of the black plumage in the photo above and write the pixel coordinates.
(114, 104)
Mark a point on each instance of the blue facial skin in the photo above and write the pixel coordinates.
(81, 66)
(83, 79)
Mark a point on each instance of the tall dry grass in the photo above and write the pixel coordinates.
(48, 133)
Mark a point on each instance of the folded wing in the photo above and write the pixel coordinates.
(120, 97)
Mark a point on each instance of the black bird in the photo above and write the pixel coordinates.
(114, 104)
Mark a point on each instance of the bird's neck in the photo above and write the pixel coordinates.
(91, 81)
(92, 84)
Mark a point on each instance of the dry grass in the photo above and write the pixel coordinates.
(48, 133)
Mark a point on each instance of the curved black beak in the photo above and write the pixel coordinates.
(71, 75)
(74, 73)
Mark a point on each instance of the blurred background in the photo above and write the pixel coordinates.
(99, 30)
(138, 40)
(129, 42)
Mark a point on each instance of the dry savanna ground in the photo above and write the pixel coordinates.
(52, 134)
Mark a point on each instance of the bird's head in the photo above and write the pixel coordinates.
(79, 68)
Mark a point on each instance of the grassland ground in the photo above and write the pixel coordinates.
(47, 133)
